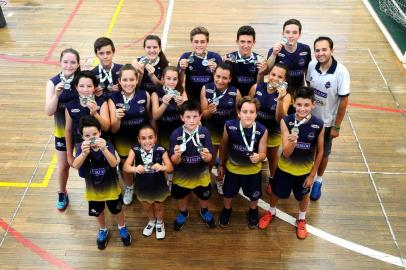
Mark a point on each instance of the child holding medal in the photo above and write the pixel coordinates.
(274, 103)
(149, 162)
(242, 150)
(166, 102)
(219, 101)
(197, 67)
(106, 71)
(129, 110)
(302, 152)
(151, 66)
(191, 153)
(60, 90)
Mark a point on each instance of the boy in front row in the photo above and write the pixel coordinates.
(302, 151)
(96, 161)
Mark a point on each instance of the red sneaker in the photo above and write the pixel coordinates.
(265, 220)
(301, 231)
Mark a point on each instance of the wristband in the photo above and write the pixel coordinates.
(336, 128)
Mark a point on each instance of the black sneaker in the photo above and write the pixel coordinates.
(180, 221)
(253, 218)
(225, 217)
(208, 218)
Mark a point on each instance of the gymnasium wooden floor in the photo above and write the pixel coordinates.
(363, 201)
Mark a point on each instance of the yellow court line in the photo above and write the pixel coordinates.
(44, 182)
(111, 26)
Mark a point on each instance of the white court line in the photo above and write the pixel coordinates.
(167, 24)
(361, 172)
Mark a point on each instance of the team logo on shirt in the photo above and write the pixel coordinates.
(230, 102)
(232, 94)
(232, 128)
(211, 91)
(281, 55)
(75, 110)
(202, 136)
(137, 148)
(315, 126)
(291, 124)
(255, 195)
(141, 110)
(327, 85)
(303, 53)
(141, 101)
(190, 67)
(311, 136)
(258, 93)
(252, 69)
(119, 105)
(98, 171)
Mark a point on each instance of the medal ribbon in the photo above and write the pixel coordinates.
(109, 75)
(196, 142)
(254, 129)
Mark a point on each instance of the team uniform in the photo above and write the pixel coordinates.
(146, 82)
(151, 185)
(135, 117)
(192, 173)
(101, 183)
(107, 78)
(292, 171)
(329, 87)
(267, 113)
(240, 171)
(296, 62)
(198, 73)
(245, 71)
(169, 121)
(77, 111)
(59, 116)
(225, 110)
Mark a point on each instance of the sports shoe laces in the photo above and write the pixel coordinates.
(124, 232)
(102, 235)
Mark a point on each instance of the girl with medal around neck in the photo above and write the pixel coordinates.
(129, 111)
(149, 162)
(242, 150)
(219, 102)
(150, 67)
(197, 67)
(166, 102)
(274, 104)
(60, 90)
(85, 104)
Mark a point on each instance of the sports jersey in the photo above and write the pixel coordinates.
(192, 171)
(330, 87)
(100, 178)
(300, 162)
(146, 82)
(238, 160)
(105, 79)
(296, 62)
(132, 121)
(197, 74)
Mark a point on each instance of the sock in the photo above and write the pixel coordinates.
(159, 221)
(272, 210)
(318, 179)
(103, 229)
(204, 210)
(130, 187)
(152, 221)
(302, 215)
(184, 213)
(120, 227)
(227, 209)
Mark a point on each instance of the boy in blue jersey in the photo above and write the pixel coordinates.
(106, 71)
(242, 150)
(302, 152)
(197, 67)
(191, 152)
(244, 61)
(295, 55)
(96, 161)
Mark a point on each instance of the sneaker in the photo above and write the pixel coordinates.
(160, 231)
(63, 201)
(301, 231)
(208, 218)
(125, 236)
(225, 217)
(180, 221)
(219, 184)
(252, 218)
(265, 220)
(149, 228)
(315, 194)
(102, 239)
(128, 195)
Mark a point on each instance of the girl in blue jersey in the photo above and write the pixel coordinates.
(149, 162)
(274, 103)
(218, 100)
(85, 104)
(151, 66)
(197, 67)
(165, 104)
(242, 150)
(129, 110)
(60, 90)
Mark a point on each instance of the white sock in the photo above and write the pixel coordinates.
(159, 221)
(318, 179)
(302, 215)
(103, 229)
(130, 187)
(119, 227)
(272, 210)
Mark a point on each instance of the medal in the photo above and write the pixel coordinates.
(108, 77)
(295, 129)
(110, 87)
(205, 62)
(182, 147)
(284, 41)
(144, 60)
(84, 101)
(191, 59)
(199, 148)
(216, 99)
(147, 159)
(231, 58)
(192, 135)
(170, 91)
(66, 82)
(250, 147)
(148, 167)
(249, 153)
(92, 141)
(66, 86)
(126, 106)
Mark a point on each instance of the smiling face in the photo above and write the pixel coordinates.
(128, 81)
(91, 132)
(245, 44)
(247, 114)
(277, 74)
(105, 55)
(323, 52)
(292, 33)
(170, 79)
(199, 44)
(222, 78)
(191, 119)
(152, 48)
(69, 64)
(85, 87)
(303, 107)
(147, 138)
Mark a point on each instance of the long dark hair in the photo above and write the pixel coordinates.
(74, 52)
(163, 61)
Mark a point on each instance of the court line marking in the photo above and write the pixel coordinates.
(33, 247)
(167, 24)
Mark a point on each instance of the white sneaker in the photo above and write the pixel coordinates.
(128, 195)
(160, 231)
(220, 187)
(149, 228)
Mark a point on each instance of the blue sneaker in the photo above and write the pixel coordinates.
(125, 236)
(315, 194)
(102, 239)
(63, 201)
(208, 218)
(180, 221)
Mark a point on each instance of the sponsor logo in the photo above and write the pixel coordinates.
(211, 91)
(232, 128)
(301, 62)
(242, 79)
(258, 93)
(255, 194)
(327, 85)
(315, 126)
(75, 110)
(141, 101)
(281, 54)
(303, 53)
(320, 93)
(192, 159)
(200, 79)
(233, 94)
(303, 145)
(311, 136)
(98, 171)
